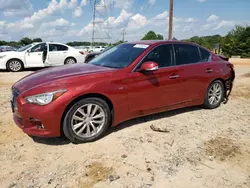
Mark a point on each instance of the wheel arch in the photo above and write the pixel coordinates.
(69, 58)
(89, 95)
(13, 59)
(18, 59)
(220, 79)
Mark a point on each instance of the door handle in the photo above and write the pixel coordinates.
(209, 70)
(39, 54)
(173, 76)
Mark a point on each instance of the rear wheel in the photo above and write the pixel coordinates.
(69, 61)
(215, 95)
(15, 65)
(87, 120)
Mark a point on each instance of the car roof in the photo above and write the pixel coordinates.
(151, 42)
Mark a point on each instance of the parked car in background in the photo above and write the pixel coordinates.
(86, 48)
(7, 48)
(42, 54)
(92, 55)
(96, 49)
(129, 80)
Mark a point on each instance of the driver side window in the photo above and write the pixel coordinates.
(161, 55)
(39, 48)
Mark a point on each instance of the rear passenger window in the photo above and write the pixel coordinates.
(186, 54)
(57, 47)
(205, 55)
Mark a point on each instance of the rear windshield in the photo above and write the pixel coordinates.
(119, 56)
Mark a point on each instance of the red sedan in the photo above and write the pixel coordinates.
(130, 80)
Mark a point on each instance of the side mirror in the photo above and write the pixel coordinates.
(149, 66)
(28, 51)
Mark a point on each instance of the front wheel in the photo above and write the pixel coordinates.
(87, 120)
(215, 95)
(15, 65)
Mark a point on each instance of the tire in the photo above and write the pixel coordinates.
(216, 91)
(15, 65)
(76, 130)
(69, 61)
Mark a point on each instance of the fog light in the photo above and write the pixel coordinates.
(40, 126)
(37, 123)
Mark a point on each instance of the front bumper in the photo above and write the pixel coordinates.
(35, 120)
(3, 62)
(32, 128)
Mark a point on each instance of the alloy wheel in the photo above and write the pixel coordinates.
(15, 65)
(88, 120)
(215, 94)
(70, 61)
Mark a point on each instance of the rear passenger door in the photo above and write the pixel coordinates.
(194, 68)
(57, 54)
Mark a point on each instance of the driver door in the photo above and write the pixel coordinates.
(154, 91)
(34, 56)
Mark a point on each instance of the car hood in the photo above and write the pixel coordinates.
(49, 75)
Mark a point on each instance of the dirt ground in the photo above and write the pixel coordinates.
(202, 148)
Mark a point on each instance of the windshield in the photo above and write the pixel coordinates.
(119, 56)
(24, 48)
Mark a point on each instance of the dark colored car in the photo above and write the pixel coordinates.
(130, 80)
(91, 56)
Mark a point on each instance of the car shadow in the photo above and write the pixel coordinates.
(51, 141)
(148, 118)
(133, 122)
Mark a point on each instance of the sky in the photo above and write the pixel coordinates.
(71, 20)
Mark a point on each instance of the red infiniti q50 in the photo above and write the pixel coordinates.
(130, 80)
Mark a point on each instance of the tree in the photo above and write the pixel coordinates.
(237, 42)
(25, 41)
(118, 42)
(209, 42)
(37, 40)
(80, 43)
(3, 43)
(159, 37)
(151, 35)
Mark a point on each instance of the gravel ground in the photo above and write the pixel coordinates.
(201, 148)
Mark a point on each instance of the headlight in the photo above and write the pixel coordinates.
(44, 98)
(2, 56)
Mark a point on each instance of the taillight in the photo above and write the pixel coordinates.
(81, 52)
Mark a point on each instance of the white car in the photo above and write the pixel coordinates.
(42, 54)
(97, 49)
